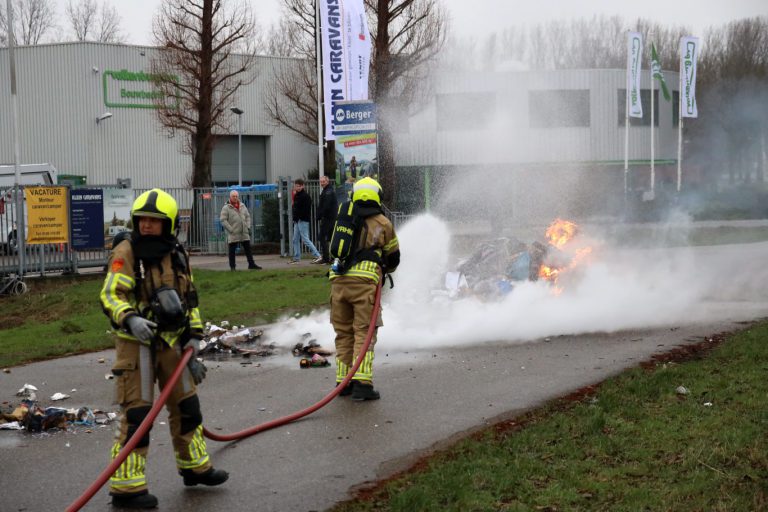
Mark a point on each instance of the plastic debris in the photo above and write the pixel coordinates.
(59, 396)
(28, 391)
(316, 361)
(681, 390)
(6, 370)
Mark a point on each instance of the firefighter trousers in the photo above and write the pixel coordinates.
(136, 370)
(352, 300)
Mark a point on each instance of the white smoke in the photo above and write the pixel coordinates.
(613, 290)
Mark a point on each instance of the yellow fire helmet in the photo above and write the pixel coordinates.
(366, 189)
(160, 205)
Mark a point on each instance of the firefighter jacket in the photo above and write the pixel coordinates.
(236, 222)
(378, 238)
(122, 297)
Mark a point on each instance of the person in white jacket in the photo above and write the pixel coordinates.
(236, 221)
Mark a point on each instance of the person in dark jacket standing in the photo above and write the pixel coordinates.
(326, 212)
(302, 214)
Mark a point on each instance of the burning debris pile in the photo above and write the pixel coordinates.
(497, 266)
(234, 340)
(245, 341)
(30, 416)
(312, 354)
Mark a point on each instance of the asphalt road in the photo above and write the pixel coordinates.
(429, 397)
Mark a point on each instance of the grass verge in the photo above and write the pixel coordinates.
(631, 444)
(62, 315)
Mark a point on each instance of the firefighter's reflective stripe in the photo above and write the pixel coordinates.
(195, 322)
(366, 269)
(130, 474)
(391, 245)
(365, 372)
(341, 370)
(110, 295)
(197, 455)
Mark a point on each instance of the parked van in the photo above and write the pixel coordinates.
(29, 174)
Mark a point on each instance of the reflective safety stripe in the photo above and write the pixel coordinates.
(341, 370)
(130, 474)
(366, 269)
(195, 321)
(110, 298)
(390, 245)
(198, 454)
(365, 372)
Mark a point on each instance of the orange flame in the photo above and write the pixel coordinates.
(559, 233)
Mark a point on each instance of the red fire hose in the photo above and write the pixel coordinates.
(144, 427)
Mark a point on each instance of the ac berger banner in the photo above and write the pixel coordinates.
(47, 216)
(346, 55)
(358, 152)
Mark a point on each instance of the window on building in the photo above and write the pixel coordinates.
(558, 108)
(645, 97)
(465, 111)
(675, 108)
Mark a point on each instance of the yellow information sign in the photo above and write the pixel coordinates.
(47, 216)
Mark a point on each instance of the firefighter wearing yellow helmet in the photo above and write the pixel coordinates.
(151, 302)
(361, 226)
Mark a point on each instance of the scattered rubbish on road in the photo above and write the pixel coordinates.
(316, 361)
(30, 416)
(6, 370)
(28, 391)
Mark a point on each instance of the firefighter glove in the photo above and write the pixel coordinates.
(141, 328)
(197, 369)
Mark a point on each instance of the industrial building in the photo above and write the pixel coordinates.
(87, 109)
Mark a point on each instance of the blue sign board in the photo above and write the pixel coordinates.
(350, 117)
(86, 209)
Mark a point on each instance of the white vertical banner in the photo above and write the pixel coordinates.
(634, 54)
(689, 52)
(346, 54)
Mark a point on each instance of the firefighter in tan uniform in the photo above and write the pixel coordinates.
(353, 288)
(151, 302)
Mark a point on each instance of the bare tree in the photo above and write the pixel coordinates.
(292, 102)
(406, 37)
(207, 49)
(33, 20)
(91, 22)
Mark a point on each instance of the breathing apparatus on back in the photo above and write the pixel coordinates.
(350, 226)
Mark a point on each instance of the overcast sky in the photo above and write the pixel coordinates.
(478, 17)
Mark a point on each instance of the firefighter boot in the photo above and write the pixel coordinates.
(134, 500)
(210, 477)
(347, 389)
(364, 391)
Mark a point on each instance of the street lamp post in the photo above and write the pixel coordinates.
(239, 114)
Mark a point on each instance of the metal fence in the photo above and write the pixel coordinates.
(200, 229)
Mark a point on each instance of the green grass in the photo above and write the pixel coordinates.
(62, 315)
(632, 445)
